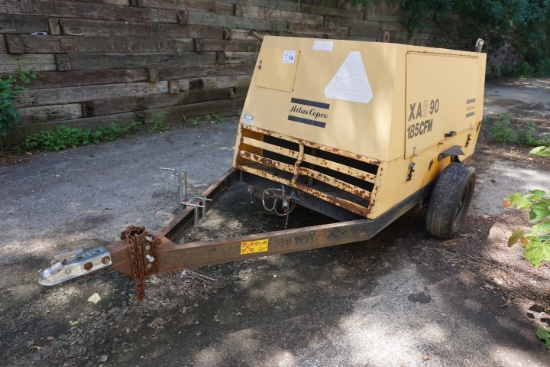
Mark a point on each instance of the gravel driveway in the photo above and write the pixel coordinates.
(402, 299)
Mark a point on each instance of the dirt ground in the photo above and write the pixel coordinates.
(401, 299)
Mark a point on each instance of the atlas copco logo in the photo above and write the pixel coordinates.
(308, 112)
(313, 113)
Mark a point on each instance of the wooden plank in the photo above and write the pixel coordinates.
(177, 72)
(56, 79)
(3, 46)
(239, 81)
(98, 61)
(244, 35)
(196, 5)
(249, 45)
(87, 27)
(272, 14)
(71, 9)
(42, 114)
(64, 44)
(10, 63)
(156, 101)
(393, 26)
(18, 135)
(218, 20)
(108, 2)
(364, 38)
(370, 33)
(359, 23)
(324, 9)
(52, 96)
(331, 11)
(10, 23)
(383, 17)
(334, 32)
(176, 113)
(240, 57)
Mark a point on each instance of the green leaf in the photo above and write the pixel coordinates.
(516, 235)
(513, 198)
(538, 212)
(541, 151)
(537, 194)
(523, 202)
(534, 253)
(543, 334)
(545, 226)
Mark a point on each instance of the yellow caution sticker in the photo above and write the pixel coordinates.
(251, 247)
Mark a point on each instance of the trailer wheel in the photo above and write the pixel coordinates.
(450, 200)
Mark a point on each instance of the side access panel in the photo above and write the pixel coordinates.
(441, 98)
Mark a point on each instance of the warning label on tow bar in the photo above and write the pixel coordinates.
(251, 247)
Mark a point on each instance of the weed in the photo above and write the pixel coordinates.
(193, 121)
(64, 137)
(528, 70)
(527, 135)
(501, 130)
(9, 90)
(544, 335)
(159, 125)
(524, 133)
(30, 343)
(157, 28)
(213, 118)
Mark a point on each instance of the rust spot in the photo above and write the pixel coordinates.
(88, 266)
(106, 259)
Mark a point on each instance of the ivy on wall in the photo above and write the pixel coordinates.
(524, 23)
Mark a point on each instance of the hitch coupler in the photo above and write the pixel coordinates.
(75, 264)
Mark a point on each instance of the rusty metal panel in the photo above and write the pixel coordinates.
(273, 148)
(266, 162)
(365, 176)
(304, 171)
(346, 204)
(326, 148)
(357, 191)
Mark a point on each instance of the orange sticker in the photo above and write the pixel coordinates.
(251, 247)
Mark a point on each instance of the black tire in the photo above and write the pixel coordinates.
(450, 200)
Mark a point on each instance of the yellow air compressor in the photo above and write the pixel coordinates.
(360, 129)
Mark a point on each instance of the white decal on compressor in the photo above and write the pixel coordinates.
(289, 56)
(350, 83)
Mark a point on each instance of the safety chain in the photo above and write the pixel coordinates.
(139, 255)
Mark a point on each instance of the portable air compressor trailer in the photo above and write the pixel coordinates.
(358, 131)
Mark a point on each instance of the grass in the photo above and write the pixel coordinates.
(504, 130)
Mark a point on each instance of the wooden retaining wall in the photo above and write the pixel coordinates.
(102, 61)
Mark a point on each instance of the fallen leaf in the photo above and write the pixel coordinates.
(50, 338)
(73, 323)
(94, 298)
